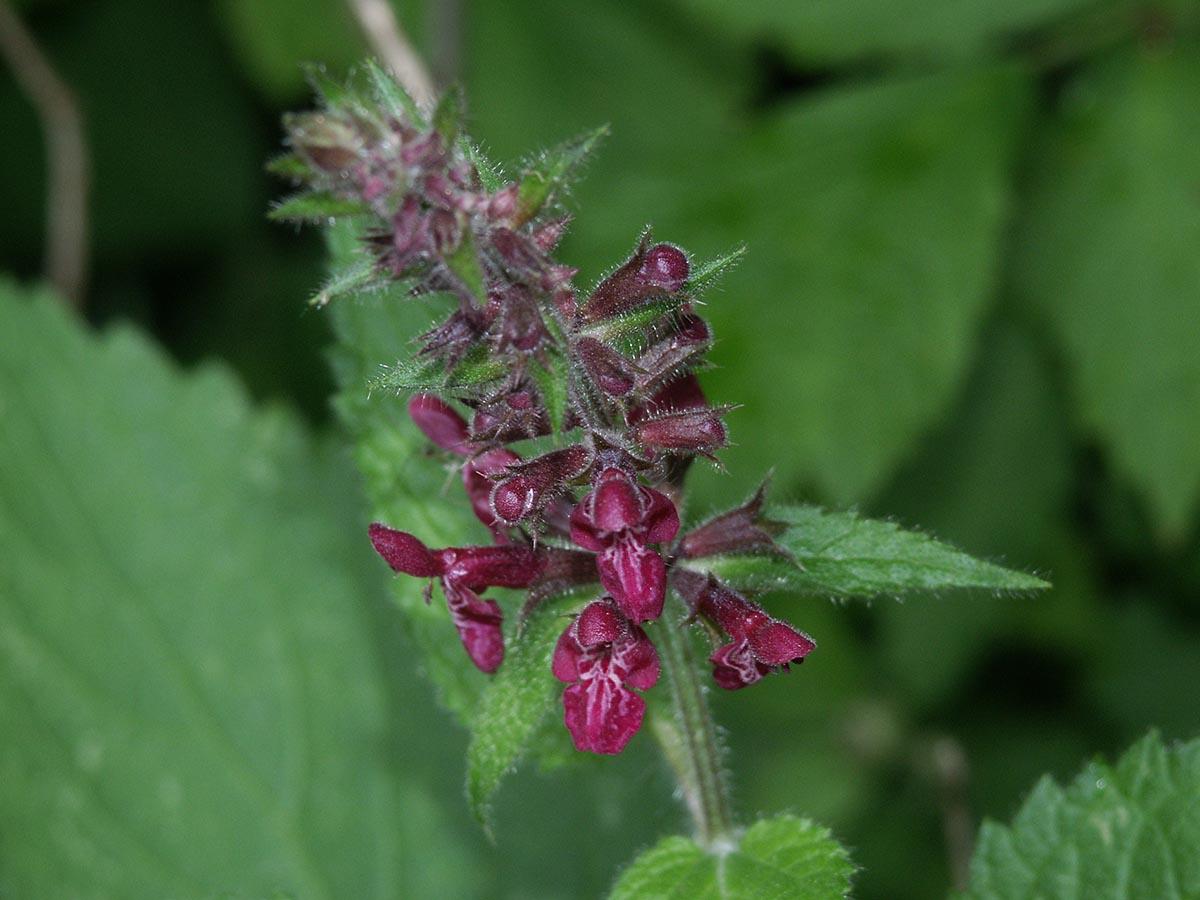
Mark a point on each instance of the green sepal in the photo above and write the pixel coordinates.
(490, 175)
(447, 116)
(391, 96)
(314, 207)
(463, 261)
(634, 323)
(290, 166)
(350, 280)
(333, 94)
(550, 172)
(552, 381)
(474, 370)
(707, 273)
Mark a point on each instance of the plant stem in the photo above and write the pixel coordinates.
(66, 156)
(690, 742)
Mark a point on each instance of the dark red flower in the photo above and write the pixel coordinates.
(759, 643)
(465, 572)
(618, 520)
(602, 655)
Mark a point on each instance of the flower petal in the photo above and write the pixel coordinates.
(602, 715)
(636, 576)
(403, 552)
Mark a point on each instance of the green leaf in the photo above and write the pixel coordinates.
(1006, 449)
(822, 31)
(314, 206)
(550, 173)
(512, 708)
(1108, 256)
(1124, 832)
(191, 670)
(840, 554)
(875, 214)
(784, 858)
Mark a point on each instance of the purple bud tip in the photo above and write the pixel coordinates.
(599, 623)
(666, 266)
(403, 552)
(514, 498)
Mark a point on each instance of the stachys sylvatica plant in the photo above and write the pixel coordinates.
(574, 414)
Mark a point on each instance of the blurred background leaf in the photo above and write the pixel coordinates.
(969, 305)
(193, 678)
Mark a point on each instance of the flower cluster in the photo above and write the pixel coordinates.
(574, 414)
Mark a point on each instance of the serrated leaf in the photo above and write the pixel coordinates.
(191, 670)
(707, 273)
(1108, 254)
(784, 858)
(1124, 832)
(841, 554)
(542, 180)
(314, 206)
(512, 707)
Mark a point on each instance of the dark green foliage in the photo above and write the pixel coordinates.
(969, 306)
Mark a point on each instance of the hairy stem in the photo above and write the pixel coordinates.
(690, 742)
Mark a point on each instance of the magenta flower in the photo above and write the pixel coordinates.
(759, 643)
(447, 429)
(602, 655)
(465, 572)
(618, 520)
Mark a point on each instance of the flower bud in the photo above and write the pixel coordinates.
(502, 204)
(741, 530)
(534, 483)
(609, 370)
(327, 143)
(688, 431)
(652, 271)
(440, 423)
